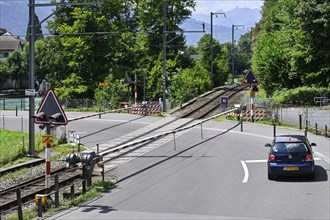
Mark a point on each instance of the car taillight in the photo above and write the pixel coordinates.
(309, 157)
(271, 157)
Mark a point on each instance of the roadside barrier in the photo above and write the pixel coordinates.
(149, 109)
(258, 115)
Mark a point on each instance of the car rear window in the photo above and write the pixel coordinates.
(290, 148)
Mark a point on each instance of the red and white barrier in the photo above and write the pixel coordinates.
(233, 114)
(151, 109)
(47, 156)
(258, 115)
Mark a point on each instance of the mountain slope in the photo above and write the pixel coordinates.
(14, 17)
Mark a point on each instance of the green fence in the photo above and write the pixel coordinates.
(19, 103)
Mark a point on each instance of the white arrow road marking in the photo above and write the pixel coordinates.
(246, 172)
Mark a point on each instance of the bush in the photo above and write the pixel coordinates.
(300, 96)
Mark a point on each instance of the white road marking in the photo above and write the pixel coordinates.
(323, 157)
(255, 161)
(246, 172)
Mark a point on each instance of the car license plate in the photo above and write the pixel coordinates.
(290, 168)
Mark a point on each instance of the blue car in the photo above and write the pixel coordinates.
(290, 155)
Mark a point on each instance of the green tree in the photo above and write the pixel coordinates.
(88, 54)
(37, 29)
(189, 83)
(115, 93)
(16, 69)
(4, 72)
(292, 45)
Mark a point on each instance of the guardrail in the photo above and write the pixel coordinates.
(154, 137)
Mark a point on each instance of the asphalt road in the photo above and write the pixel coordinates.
(222, 176)
(207, 179)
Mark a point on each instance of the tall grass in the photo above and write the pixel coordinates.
(15, 145)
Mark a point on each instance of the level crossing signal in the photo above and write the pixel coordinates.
(50, 111)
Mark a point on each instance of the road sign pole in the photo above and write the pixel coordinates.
(47, 157)
(252, 108)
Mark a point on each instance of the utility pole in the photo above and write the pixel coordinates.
(212, 83)
(32, 35)
(232, 50)
(31, 76)
(164, 57)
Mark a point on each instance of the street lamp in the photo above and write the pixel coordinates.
(232, 49)
(212, 44)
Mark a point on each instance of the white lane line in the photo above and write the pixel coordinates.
(246, 172)
(323, 157)
(255, 161)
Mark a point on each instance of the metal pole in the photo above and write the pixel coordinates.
(19, 204)
(211, 49)
(135, 90)
(241, 118)
(174, 140)
(316, 128)
(57, 193)
(232, 52)
(31, 76)
(164, 57)
(144, 87)
(47, 156)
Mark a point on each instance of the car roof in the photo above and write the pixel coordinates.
(290, 138)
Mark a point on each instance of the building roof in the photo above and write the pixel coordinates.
(9, 42)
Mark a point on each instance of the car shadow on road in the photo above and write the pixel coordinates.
(321, 175)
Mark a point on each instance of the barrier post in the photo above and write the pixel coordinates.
(21, 124)
(316, 128)
(274, 128)
(300, 121)
(40, 206)
(72, 191)
(174, 140)
(19, 204)
(241, 119)
(326, 131)
(47, 157)
(84, 179)
(202, 130)
(57, 193)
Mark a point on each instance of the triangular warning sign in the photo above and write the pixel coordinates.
(254, 88)
(250, 78)
(52, 107)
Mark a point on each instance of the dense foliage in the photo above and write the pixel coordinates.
(292, 47)
(93, 44)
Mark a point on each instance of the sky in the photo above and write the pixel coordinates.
(207, 6)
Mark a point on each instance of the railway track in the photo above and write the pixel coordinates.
(205, 105)
(30, 188)
(196, 109)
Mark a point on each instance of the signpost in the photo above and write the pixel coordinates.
(224, 101)
(50, 112)
(251, 80)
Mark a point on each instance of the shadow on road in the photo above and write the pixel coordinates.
(320, 176)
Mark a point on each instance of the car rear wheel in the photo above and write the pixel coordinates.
(271, 177)
(312, 176)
